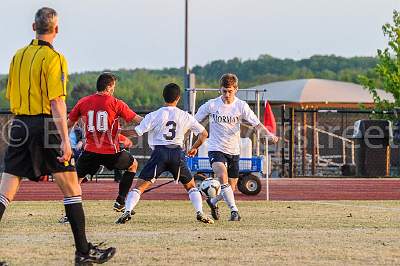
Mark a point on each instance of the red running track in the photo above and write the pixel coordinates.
(280, 189)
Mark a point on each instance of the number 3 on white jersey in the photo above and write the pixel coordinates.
(101, 121)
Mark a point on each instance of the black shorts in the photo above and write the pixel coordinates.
(231, 162)
(89, 162)
(166, 159)
(34, 145)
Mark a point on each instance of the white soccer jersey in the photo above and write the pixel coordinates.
(167, 126)
(225, 122)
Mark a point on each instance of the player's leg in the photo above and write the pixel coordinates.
(8, 188)
(87, 164)
(9, 185)
(218, 162)
(177, 166)
(85, 252)
(124, 161)
(17, 161)
(219, 165)
(233, 174)
(45, 147)
(152, 169)
(134, 195)
(69, 185)
(196, 199)
(220, 171)
(117, 175)
(133, 199)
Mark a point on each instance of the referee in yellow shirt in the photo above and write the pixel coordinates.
(39, 143)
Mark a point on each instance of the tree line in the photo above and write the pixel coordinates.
(141, 88)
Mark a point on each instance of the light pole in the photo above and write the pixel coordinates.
(186, 42)
(188, 78)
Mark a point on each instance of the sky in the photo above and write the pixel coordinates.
(115, 34)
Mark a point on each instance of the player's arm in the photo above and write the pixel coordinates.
(202, 113)
(59, 112)
(201, 133)
(137, 119)
(200, 140)
(127, 113)
(251, 117)
(264, 132)
(128, 132)
(70, 124)
(146, 124)
(57, 80)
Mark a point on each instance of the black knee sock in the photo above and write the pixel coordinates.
(124, 186)
(76, 218)
(3, 205)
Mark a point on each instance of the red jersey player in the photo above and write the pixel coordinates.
(100, 113)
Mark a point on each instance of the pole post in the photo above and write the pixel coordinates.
(186, 77)
(283, 131)
(291, 143)
(305, 143)
(313, 143)
(258, 115)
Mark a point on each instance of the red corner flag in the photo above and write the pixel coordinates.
(269, 118)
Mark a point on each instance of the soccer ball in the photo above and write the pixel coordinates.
(210, 188)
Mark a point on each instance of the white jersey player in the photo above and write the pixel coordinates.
(167, 127)
(225, 114)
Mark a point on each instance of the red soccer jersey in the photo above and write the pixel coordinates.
(100, 114)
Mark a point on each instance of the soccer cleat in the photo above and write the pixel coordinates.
(214, 209)
(204, 219)
(95, 255)
(119, 207)
(235, 216)
(63, 220)
(126, 216)
(3, 263)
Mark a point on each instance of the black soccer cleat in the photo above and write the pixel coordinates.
(235, 216)
(126, 216)
(119, 207)
(3, 263)
(214, 209)
(95, 255)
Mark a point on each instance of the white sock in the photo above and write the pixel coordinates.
(195, 198)
(229, 198)
(132, 199)
(216, 199)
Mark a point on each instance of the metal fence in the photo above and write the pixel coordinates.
(321, 143)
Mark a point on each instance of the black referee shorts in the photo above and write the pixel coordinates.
(34, 145)
(89, 162)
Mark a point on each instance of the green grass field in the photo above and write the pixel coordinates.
(166, 233)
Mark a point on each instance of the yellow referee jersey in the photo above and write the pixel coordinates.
(38, 74)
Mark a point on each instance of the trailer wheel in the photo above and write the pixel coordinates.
(249, 184)
(198, 179)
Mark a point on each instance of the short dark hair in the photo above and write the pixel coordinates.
(45, 20)
(171, 92)
(104, 80)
